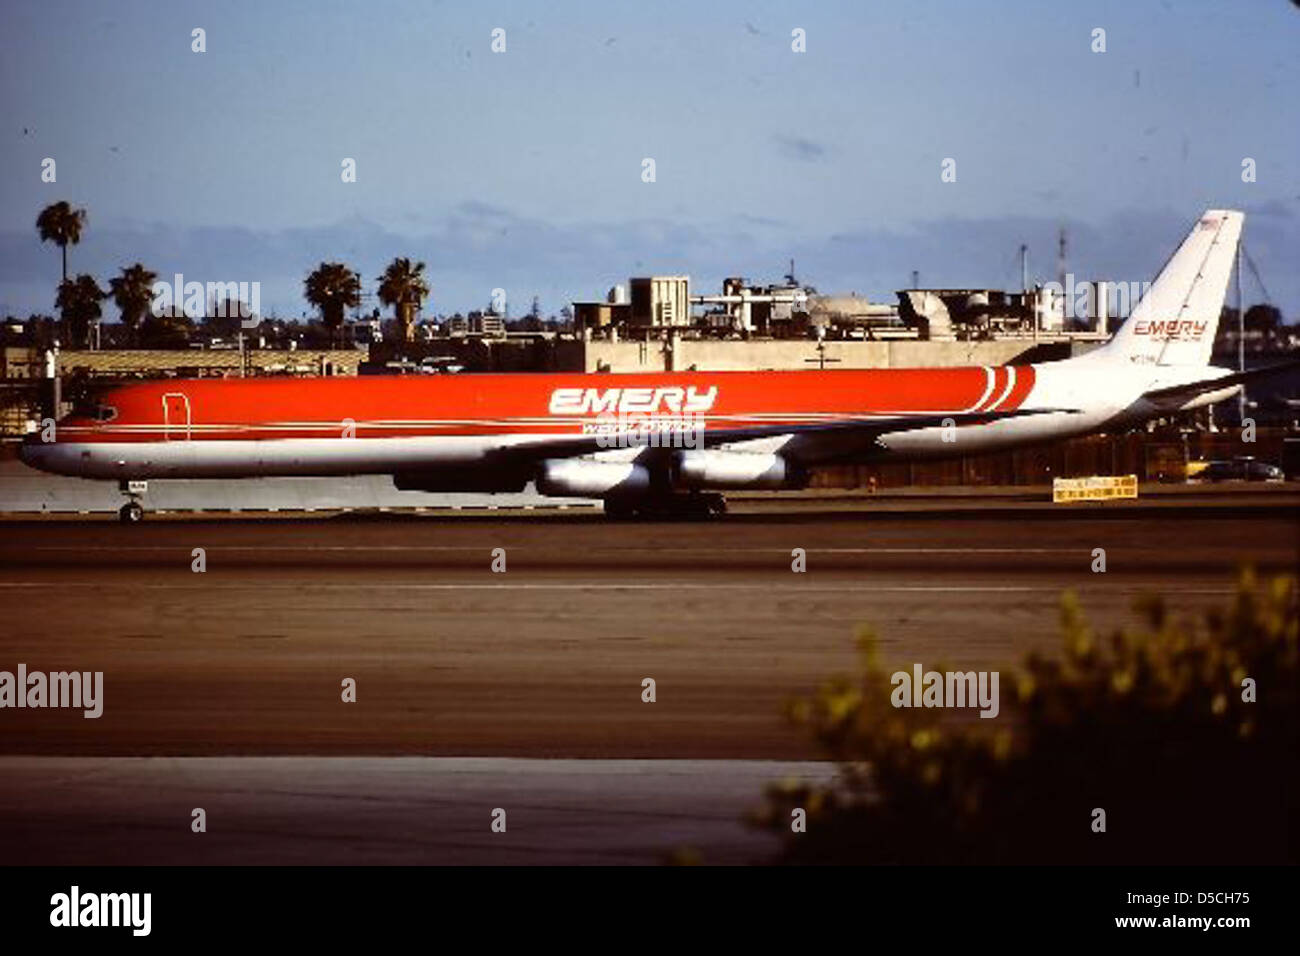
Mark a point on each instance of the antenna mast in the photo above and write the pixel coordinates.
(1241, 340)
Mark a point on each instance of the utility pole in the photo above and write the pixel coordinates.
(1060, 258)
(1024, 267)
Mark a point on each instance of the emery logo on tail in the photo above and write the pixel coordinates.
(1171, 330)
(649, 401)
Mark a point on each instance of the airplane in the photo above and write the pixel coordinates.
(657, 444)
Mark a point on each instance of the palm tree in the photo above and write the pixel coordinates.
(403, 285)
(227, 319)
(133, 291)
(332, 288)
(78, 300)
(61, 224)
(170, 329)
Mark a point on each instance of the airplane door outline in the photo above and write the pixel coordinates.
(172, 413)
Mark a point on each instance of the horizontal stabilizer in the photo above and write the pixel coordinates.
(1179, 393)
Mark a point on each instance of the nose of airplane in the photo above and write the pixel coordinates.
(32, 451)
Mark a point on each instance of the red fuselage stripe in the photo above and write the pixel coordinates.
(491, 404)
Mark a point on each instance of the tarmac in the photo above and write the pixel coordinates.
(393, 811)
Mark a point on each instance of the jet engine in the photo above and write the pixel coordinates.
(584, 478)
(715, 468)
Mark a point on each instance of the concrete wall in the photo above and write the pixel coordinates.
(708, 355)
(575, 355)
(600, 356)
(916, 354)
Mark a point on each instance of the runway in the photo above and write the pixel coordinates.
(538, 667)
(547, 658)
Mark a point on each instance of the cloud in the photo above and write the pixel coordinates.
(796, 147)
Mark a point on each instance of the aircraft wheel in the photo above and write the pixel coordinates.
(131, 513)
(619, 510)
(702, 507)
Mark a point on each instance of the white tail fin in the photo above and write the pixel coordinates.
(1175, 322)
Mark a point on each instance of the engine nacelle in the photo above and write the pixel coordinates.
(714, 468)
(584, 478)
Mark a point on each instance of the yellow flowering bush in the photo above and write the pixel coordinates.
(1184, 737)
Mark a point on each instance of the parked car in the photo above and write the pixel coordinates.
(1240, 469)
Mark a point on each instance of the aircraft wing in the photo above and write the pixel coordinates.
(859, 432)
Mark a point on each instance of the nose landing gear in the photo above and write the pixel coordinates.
(132, 512)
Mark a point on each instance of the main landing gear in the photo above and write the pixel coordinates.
(670, 507)
(132, 512)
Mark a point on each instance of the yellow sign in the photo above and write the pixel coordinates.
(1094, 488)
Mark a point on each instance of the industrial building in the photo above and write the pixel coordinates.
(789, 310)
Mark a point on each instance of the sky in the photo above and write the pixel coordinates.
(523, 169)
